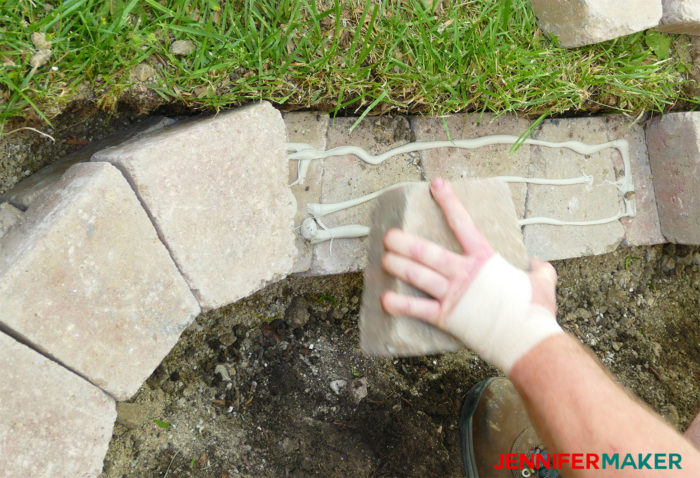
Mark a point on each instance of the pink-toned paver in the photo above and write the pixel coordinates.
(644, 228)
(217, 191)
(311, 129)
(53, 424)
(347, 177)
(85, 280)
(484, 162)
(674, 154)
(581, 202)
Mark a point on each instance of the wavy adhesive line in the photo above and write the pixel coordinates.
(305, 153)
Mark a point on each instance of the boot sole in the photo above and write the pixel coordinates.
(465, 427)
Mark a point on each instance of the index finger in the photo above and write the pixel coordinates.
(461, 223)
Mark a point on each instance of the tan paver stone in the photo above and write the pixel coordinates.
(412, 209)
(85, 280)
(53, 424)
(681, 16)
(217, 191)
(347, 177)
(644, 228)
(584, 22)
(574, 202)
(674, 154)
(485, 162)
(9, 216)
(308, 128)
(26, 192)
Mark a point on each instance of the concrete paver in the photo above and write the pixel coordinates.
(412, 209)
(85, 280)
(674, 154)
(26, 192)
(217, 191)
(309, 128)
(53, 424)
(681, 16)
(584, 22)
(573, 202)
(644, 228)
(485, 162)
(346, 177)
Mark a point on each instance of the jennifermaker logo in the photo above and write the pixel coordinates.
(590, 461)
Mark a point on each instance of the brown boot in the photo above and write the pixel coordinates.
(494, 423)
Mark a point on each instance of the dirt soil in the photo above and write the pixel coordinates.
(276, 384)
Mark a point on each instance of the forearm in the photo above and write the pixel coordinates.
(577, 408)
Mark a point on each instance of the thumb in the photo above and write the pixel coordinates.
(542, 271)
(543, 278)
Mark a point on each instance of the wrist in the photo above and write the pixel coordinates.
(496, 316)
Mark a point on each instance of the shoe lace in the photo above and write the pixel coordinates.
(541, 471)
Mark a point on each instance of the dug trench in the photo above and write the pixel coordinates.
(276, 385)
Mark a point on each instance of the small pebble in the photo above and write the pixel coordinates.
(223, 371)
(228, 339)
(338, 386)
(358, 388)
(181, 47)
(297, 314)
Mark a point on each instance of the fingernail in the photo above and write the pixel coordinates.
(438, 183)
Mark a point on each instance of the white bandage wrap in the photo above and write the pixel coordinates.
(496, 318)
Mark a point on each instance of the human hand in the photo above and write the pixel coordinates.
(494, 308)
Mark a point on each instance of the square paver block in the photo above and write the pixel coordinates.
(483, 162)
(311, 129)
(584, 22)
(674, 154)
(84, 279)
(26, 192)
(581, 202)
(348, 177)
(412, 209)
(644, 228)
(681, 16)
(53, 424)
(217, 191)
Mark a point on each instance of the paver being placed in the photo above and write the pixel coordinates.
(484, 162)
(674, 154)
(84, 279)
(681, 16)
(309, 128)
(412, 209)
(579, 202)
(643, 229)
(24, 193)
(347, 177)
(584, 22)
(53, 424)
(217, 191)
(9, 216)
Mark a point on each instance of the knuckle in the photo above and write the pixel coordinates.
(418, 250)
(410, 307)
(390, 236)
(386, 262)
(411, 275)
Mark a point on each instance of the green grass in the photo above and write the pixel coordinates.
(353, 56)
